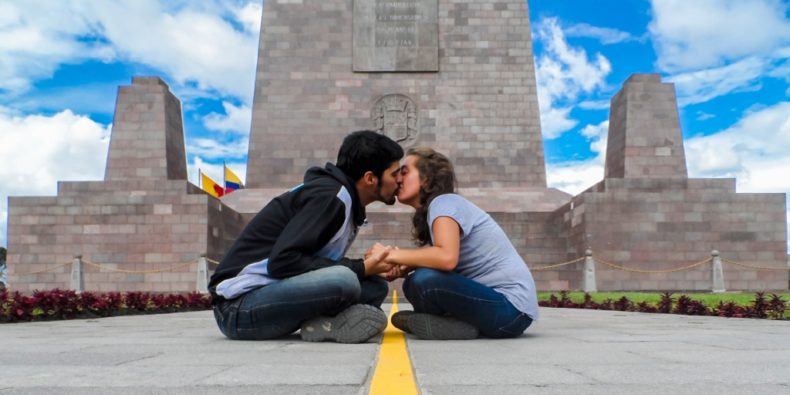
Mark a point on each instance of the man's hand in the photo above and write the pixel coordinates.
(375, 260)
(374, 248)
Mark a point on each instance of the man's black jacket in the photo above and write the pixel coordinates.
(294, 226)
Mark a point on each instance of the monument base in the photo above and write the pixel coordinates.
(653, 226)
(127, 232)
(647, 225)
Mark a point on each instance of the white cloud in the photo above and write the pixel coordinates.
(604, 34)
(46, 149)
(575, 176)
(236, 119)
(712, 48)
(554, 121)
(36, 37)
(563, 73)
(213, 149)
(597, 135)
(703, 85)
(754, 150)
(708, 33)
(595, 104)
(191, 45)
(210, 44)
(249, 15)
(703, 116)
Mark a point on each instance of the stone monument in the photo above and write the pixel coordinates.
(329, 67)
(649, 216)
(459, 76)
(144, 217)
(456, 75)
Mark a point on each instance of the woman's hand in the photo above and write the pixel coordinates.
(442, 255)
(397, 271)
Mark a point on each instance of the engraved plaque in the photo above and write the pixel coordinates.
(396, 117)
(396, 35)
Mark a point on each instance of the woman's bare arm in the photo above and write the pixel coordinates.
(443, 255)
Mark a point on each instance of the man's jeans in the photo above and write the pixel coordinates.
(449, 293)
(279, 309)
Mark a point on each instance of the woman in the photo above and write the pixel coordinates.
(467, 279)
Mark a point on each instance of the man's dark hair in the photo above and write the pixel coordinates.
(2, 254)
(366, 150)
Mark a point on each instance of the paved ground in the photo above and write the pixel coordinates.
(567, 352)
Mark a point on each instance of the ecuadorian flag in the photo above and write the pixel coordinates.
(211, 187)
(232, 181)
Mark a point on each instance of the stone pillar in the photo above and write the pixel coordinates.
(589, 272)
(644, 131)
(77, 282)
(717, 273)
(202, 274)
(139, 149)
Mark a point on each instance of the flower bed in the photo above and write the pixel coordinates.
(60, 304)
(772, 307)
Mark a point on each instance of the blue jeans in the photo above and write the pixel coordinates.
(449, 293)
(279, 309)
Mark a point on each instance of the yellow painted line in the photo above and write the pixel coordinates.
(393, 374)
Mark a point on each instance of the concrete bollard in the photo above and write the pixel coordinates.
(77, 283)
(589, 272)
(202, 274)
(717, 273)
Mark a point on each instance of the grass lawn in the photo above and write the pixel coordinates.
(709, 299)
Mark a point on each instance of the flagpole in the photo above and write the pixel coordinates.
(224, 183)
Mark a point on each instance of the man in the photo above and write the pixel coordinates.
(288, 270)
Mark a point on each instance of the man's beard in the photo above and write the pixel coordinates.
(388, 201)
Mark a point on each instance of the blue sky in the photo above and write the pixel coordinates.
(61, 63)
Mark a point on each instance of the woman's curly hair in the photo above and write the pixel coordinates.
(437, 177)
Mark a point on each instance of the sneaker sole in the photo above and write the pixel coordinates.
(434, 327)
(356, 324)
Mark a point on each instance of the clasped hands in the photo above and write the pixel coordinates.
(376, 263)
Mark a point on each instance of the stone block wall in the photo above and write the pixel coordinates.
(541, 241)
(159, 226)
(653, 224)
(480, 108)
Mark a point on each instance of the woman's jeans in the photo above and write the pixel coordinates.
(280, 308)
(449, 293)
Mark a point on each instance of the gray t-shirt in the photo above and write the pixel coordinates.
(487, 255)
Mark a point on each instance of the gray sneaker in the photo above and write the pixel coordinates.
(356, 324)
(434, 327)
(400, 320)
